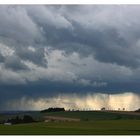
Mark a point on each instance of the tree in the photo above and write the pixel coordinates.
(137, 110)
(103, 108)
(27, 119)
(17, 120)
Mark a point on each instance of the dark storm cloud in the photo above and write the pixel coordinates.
(55, 26)
(41, 90)
(1, 58)
(46, 50)
(16, 27)
(106, 43)
(105, 46)
(14, 63)
(36, 56)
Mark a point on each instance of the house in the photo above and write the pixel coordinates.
(47, 120)
(7, 123)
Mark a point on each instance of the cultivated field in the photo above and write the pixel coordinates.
(91, 123)
(96, 115)
(112, 127)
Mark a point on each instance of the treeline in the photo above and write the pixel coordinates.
(18, 120)
(52, 110)
(138, 110)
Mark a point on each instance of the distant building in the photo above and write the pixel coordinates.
(7, 123)
(47, 120)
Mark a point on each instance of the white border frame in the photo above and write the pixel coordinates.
(69, 1)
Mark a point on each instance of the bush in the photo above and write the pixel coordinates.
(17, 120)
(118, 117)
(27, 119)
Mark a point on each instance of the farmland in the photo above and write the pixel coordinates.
(92, 123)
(95, 115)
(113, 127)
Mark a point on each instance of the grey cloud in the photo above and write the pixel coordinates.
(48, 15)
(106, 46)
(17, 27)
(37, 56)
(14, 63)
(85, 29)
(1, 58)
(96, 30)
(47, 49)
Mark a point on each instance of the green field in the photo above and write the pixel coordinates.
(92, 123)
(113, 127)
(93, 115)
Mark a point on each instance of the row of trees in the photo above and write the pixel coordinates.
(18, 120)
(62, 109)
(138, 110)
(53, 110)
(57, 109)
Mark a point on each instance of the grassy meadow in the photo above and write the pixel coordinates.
(92, 123)
(112, 127)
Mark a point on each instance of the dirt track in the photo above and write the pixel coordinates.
(55, 118)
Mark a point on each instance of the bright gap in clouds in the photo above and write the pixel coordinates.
(129, 101)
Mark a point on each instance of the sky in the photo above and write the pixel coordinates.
(72, 56)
